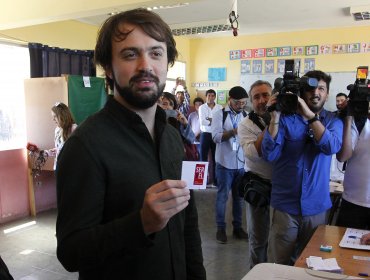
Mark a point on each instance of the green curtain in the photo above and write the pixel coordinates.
(84, 101)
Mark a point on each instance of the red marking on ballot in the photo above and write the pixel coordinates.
(200, 169)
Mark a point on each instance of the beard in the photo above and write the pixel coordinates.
(142, 98)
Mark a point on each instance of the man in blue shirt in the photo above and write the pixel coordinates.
(300, 146)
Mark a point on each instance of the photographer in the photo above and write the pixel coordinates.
(251, 132)
(300, 146)
(355, 207)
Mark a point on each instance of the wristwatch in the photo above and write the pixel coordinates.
(315, 118)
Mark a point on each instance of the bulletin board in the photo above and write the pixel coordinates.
(339, 83)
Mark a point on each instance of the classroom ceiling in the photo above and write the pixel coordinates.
(186, 16)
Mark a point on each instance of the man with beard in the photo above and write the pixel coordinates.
(300, 147)
(250, 133)
(123, 213)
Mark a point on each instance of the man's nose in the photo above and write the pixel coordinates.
(144, 64)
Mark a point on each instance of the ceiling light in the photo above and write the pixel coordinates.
(179, 5)
(201, 29)
(360, 12)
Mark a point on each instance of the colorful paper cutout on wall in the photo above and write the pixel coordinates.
(271, 52)
(309, 64)
(234, 54)
(298, 50)
(312, 50)
(269, 66)
(257, 66)
(245, 66)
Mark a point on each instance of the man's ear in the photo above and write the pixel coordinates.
(109, 72)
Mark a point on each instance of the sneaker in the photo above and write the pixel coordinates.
(239, 233)
(221, 236)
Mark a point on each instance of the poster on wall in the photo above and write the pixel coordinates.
(245, 66)
(285, 51)
(309, 64)
(222, 96)
(269, 66)
(234, 54)
(312, 50)
(325, 49)
(246, 53)
(365, 47)
(298, 50)
(297, 65)
(339, 48)
(271, 52)
(258, 53)
(257, 66)
(354, 48)
(280, 66)
(217, 74)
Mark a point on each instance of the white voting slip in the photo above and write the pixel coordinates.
(351, 239)
(268, 271)
(318, 263)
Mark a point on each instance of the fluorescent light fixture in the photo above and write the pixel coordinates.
(12, 229)
(360, 12)
(179, 5)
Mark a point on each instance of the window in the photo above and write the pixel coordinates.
(178, 70)
(14, 68)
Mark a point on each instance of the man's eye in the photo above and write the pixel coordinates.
(157, 54)
(128, 55)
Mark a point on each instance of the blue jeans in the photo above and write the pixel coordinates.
(227, 179)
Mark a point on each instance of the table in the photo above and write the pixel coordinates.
(268, 271)
(332, 235)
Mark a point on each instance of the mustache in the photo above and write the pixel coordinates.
(144, 75)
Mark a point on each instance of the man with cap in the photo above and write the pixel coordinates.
(229, 162)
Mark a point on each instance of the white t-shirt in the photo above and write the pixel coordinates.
(207, 112)
(357, 176)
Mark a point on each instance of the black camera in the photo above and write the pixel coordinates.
(290, 87)
(359, 95)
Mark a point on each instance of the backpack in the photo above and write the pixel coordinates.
(224, 115)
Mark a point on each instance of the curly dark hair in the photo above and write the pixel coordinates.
(151, 23)
(319, 75)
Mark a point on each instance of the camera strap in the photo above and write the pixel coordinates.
(255, 119)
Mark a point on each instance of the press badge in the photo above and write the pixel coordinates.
(235, 145)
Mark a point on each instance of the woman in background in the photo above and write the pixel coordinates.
(65, 126)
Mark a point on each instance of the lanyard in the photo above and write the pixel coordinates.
(234, 119)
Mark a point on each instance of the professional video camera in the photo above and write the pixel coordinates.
(290, 87)
(359, 95)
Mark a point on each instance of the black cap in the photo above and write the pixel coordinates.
(238, 93)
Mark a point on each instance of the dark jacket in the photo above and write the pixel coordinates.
(103, 172)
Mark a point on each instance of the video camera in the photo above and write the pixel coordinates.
(359, 95)
(290, 87)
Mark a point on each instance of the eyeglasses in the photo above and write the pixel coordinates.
(238, 102)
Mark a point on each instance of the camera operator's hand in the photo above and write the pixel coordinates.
(349, 108)
(275, 115)
(271, 105)
(304, 110)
